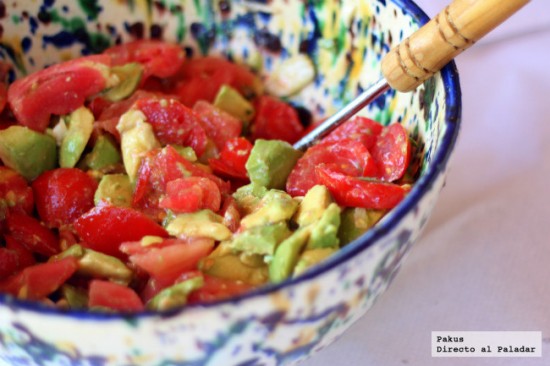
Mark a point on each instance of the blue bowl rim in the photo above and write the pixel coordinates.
(450, 77)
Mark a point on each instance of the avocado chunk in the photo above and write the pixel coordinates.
(355, 221)
(175, 295)
(260, 240)
(103, 154)
(311, 257)
(115, 190)
(80, 124)
(315, 202)
(204, 223)
(28, 152)
(248, 197)
(275, 206)
(286, 255)
(129, 76)
(231, 101)
(324, 232)
(232, 267)
(270, 163)
(136, 139)
(75, 297)
(186, 152)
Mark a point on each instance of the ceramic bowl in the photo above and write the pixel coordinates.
(277, 324)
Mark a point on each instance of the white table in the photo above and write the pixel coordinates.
(483, 262)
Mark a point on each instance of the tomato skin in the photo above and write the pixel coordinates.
(105, 228)
(215, 288)
(15, 193)
(58, 89)
(275, 119)
(174, 123)
(25, 257)
(354, 192)
(392, 152)
(113, 296)
(167, 261)
(63, 194)
(233, 158)
(29, 232)
(38, 281)
(9, 262)
(218, 125)
(359, 128)
(349, 157)
(158, 58)
(191, 194)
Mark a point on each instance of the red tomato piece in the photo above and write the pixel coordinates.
(63, 194)
(233, 158)
(166, 262)
(40, 280)
(218, 125)
(230, 213)
(9, 262)
(105, 228)
(4, 70)
(275, 119)
(58, 89)
(361, 129)
(191, 194)
(15, 193)
(215, 288)
(174, 123)
(24, 256)
(355, 192)
(105, 294)
(158, 58)
(392, 152)
(29, 232)
(349, 157)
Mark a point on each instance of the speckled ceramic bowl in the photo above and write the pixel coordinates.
(279, 324)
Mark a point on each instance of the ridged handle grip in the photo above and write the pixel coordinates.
(444, 37)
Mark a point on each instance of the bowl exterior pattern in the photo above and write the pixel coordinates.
(278, 324)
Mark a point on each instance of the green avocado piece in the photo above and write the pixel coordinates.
(260, 239)
(103, 154)
(248, 197)
(204, 223)
(28, 152)
(186, 152)
(275, 206)
(355, 221)
(231, 101)
(76, 298)
(311, 257)
(315, 202)
(129, 76)
(114, 189)
(324, 232)
(270, 163)
(231, 267)
(175, 295)
(80, 124)
(286, 255)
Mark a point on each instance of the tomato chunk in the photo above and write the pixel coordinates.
(15, 193)
(218, 125)
(105, 228)
(355, 192)
(40, 280)
(216, 288)
(191, 194)
(275, 119)
(58, 89)
(158, 58)
(30, 233)
(392, 152)
(349, 157)
(167, 260)
(63, 194)
(361, 129)
(105, 294)
(233, 158)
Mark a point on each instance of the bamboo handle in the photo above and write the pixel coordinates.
(444, 37)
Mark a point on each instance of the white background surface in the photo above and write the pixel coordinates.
(483, 262)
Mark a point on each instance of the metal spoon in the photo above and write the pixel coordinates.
(425, 52)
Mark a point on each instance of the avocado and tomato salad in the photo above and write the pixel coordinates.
(141, 179)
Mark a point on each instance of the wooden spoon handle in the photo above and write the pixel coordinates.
(440, 40)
